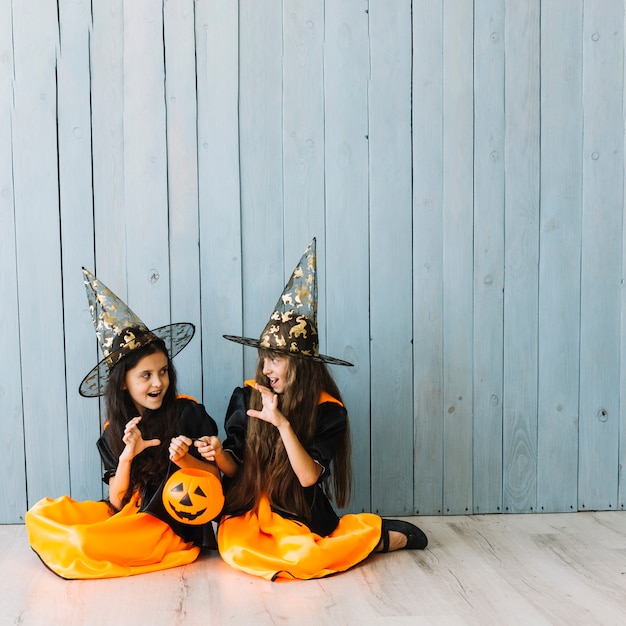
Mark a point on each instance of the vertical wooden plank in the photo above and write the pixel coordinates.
(622, 417)
(521, 255)
(346, 73)
(107, 103)
(602, 218)
(559, 253)
(217, 46)
(76, 218)
(303, 141)
(391, 298)
(427, 254)
(458, 208)
(261, 142)
(488, 253)
(107, 138)
(38, 250)
(145, 170)
(304, 93)
(303, 135)
(182, 184)
(13, 469)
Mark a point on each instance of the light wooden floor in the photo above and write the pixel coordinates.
(493, 569)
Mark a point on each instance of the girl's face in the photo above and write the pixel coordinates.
(148, 382)
(275, 368)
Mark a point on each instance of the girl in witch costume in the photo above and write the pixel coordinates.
(148, 435)
(287, 440)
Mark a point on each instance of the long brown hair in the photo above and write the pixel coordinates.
(149, 467)
(266, 468)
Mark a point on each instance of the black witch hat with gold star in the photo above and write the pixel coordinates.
(120, 331)
(292, 327)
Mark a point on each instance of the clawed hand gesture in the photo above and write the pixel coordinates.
(135, 443)
(269, 411)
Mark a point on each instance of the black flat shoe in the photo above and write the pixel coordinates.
(415, 538)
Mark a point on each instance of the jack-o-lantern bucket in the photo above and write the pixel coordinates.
(193, 496)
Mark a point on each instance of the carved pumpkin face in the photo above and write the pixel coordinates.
(193, 496)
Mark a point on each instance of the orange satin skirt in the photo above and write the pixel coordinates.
(81, 540)
(263, 543)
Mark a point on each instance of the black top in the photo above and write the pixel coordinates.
(193, 422)
(332, 422)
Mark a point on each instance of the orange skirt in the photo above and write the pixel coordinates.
(263, 543)
(80, 540)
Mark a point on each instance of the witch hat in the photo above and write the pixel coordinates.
(292, 327)
(120, 331)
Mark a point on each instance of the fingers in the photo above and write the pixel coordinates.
(269, 410)
(132, 434)
(252, 413)
(179, 446)
(133, 439)
(131, 426)
(267, 394)
(209, 447)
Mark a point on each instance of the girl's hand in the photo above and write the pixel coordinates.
(209, 447)
(303, 464)
(179, 447)
(135, 443)
(269, 411)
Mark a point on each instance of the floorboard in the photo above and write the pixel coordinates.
(493, 569)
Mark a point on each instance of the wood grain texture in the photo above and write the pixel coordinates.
(13, 469)
(391, 350)
(427, 255)
(493, 569)
(261, 142)
(77, 237)
(457, 255)
(219, 200)
(602, 219)
(38, 251)
(303, 135)
(460, 163)
(303, 144)
(489, 190)
(182, 183)
(107, 105)
(622, 414)
(559, 269)
(521, 256)
(346, 76)
(145, 163)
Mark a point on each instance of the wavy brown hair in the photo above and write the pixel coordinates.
(148, 468)
(266, 468)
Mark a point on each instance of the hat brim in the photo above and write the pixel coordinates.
(176, 337)
(256, 343)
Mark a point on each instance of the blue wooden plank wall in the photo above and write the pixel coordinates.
(461, 164)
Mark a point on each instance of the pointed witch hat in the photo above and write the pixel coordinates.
(292, 327)
(120, 331)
